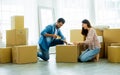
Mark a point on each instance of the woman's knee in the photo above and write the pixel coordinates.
(83, 58)
(97, 50)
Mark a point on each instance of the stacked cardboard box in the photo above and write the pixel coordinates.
(18, 35)
(17, 38)
(17, 22)
(67, 53)
(110, 36)
(24, 54)
(114, 53)
(5, 55)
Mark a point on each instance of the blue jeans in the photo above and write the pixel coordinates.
(44, 54)
(89, 54)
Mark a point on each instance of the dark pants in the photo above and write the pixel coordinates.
(44, 54)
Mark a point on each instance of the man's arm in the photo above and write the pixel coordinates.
(46, 31)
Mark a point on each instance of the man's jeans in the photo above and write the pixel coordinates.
(44, 54)
(89, 54)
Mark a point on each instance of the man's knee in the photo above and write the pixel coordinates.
(46, 59)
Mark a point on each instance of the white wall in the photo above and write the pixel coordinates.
(31, 20)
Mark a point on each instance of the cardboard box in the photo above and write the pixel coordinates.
(67, 53)
(99, 32)
(76, 36)
(5, 55)
(109, 44)
(16, 37)
(17, 22)
(111, 35)
(102, 50)
(106, 48)
(114, 53)
(115, 44)
(24, 54)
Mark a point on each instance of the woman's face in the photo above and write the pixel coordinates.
(84, 26)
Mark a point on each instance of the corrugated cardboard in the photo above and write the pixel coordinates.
(67, 53)
(102, 50)
(16, 37)
(99, 32)
(17, 22)
(24, 54)
(75, 35)
(115, 44)
(106, 48)
(111, 35)
(114, 53)
(5, 55)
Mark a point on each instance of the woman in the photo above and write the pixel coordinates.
(91, 40)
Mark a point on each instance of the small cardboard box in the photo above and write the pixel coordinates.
(114, 53)
(24, 54)
(16, 37)
(17, 22)
(67, 53)
(5, 55)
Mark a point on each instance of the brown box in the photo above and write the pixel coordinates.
(111, 35)
(76, 36)
(67, 53)
(17, 22)
(102, 50)
(115, 44)
(24, 54)
(114, 53)
(99, 32)
(5, 55)
(106, 48)
(16, 37)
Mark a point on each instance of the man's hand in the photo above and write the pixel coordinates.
(54, 36)
(65, 42)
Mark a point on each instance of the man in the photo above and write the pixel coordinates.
(48, 38)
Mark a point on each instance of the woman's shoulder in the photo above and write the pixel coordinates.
(92, 29)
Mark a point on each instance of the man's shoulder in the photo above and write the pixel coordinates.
(51, 25)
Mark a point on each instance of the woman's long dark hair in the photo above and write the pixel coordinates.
(85, 31)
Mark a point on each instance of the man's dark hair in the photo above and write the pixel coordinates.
(85, 31)
(61, 20)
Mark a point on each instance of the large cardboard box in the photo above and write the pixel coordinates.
(16, 37)
(5, 55)
(111, 35)
(75, 35)
(24, 54)
(114, 53)
(67, 53)
(17, 22)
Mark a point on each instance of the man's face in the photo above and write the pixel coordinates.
(59, 24)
